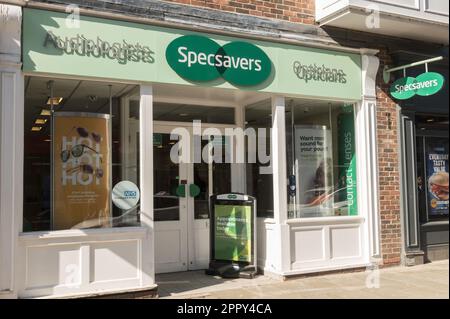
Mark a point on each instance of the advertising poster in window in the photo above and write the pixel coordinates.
(346, 192)
(437, 175)
(81, 180)
(233, 233)
(313, 154)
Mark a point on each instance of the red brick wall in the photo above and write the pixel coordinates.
(301, 11)
(388, 161)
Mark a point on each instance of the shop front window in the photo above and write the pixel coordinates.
(432, 166)
(81, 152)
(321, 159)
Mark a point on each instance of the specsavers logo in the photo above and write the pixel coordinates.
(424, 85)
(200, 59)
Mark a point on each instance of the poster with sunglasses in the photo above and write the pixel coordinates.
(81, 160)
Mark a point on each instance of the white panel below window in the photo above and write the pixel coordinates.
(53, 266)
(309, 245)
(114, 261)
(170, 251)
(345, 242)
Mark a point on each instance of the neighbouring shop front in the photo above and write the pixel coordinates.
(424, 137)
(129, 128)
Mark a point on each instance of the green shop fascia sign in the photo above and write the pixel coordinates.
(198, 58)
(426, 84)
(136, 52)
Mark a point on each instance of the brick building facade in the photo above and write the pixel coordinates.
(381, 231)
(302, 12)
(298, 11)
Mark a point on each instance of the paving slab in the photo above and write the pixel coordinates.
(401, 282)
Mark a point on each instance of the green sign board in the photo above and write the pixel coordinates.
(347, 163)
(198, 58)
(126, 51)
(157, 139)
(233, 232)
(426, 84)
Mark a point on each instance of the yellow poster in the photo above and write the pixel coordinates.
(81, 180)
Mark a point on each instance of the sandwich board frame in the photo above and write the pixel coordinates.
(239, 265)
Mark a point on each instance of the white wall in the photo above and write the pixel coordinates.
(11, 144)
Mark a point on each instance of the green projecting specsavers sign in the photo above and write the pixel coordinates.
(426, 84)
(198, 58)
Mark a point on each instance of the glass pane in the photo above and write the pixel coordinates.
(431, 122)
(421, 187)
(201, 179)
(437, 178)
(188, 113)
(321, 159)
(74, 155)
(166, 180)
(260, 181)
(220, 173)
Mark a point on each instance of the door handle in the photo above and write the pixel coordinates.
(194, 190)
(181, 190)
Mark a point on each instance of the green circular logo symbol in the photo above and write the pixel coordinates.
(197, 58)
(403, 89)
(426, 84)
(193, 58)
(429, 83)
(249, 65)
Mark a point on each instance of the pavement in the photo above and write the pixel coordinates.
(422, 281)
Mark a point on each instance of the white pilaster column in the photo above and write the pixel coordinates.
(367, 160)
(282, 257)
(146, 180)
(238, 175)
(11, 145)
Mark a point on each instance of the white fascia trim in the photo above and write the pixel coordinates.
(383, 14)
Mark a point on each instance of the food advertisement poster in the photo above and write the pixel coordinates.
(437, 175)
(81, 181)
(233, 233)
(313, 154)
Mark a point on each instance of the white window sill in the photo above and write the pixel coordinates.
(327, 220)
(80, 233)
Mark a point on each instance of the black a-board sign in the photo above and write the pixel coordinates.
(233, 236)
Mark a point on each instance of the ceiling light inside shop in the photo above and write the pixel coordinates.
(36, 128)
(45, 112)
(40, 121)
(47, 140)
(183, 114)
(54, 100)
(430, 120)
